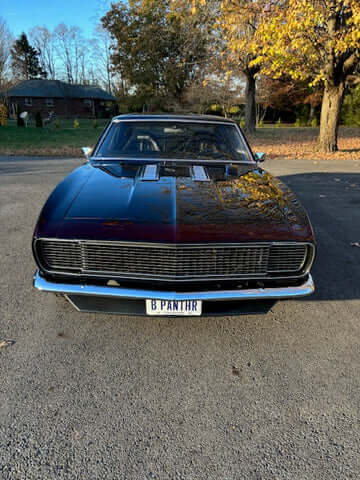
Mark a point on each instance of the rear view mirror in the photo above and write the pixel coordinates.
(260, 156)
(87, 152)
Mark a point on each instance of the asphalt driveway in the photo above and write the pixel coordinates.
(275, 396)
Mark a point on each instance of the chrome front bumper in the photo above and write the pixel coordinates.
(307, 288)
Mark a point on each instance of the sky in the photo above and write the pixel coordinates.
(22, 15)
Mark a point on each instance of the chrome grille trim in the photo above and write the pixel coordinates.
(171, 262)
(62, 255)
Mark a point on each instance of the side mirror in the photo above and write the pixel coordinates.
(87, 152)
(260, 156)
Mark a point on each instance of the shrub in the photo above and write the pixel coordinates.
(20, 121)
(57, 123)
(350, 112)
(242, 123)
(215, 109)
(38, 120)
(314, 123)
(234, 110)
(3, 114)
(302, 115)
(76, 123)
(260, 124)
(94, 124)
(278, 123)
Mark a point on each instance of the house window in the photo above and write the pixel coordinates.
(28, 101)
(49, 102)
(88, 102)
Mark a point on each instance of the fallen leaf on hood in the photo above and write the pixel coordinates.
(355, 244)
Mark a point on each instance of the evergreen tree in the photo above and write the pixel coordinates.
(25, 60)
(38, 120)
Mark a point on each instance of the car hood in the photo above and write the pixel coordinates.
(243, 203)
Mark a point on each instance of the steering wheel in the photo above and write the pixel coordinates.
(144, 142)
(193, 143)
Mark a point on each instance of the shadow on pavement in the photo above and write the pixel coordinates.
(332, 201)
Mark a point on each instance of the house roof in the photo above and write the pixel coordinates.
(57, 89)
(87, 91)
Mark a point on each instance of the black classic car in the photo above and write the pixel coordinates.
(172, 215)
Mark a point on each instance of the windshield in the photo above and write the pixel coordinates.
(157, 140)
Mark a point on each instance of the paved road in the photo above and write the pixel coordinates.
(276, 396)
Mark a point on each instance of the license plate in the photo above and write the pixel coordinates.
(173, 307)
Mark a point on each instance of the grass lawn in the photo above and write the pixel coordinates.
(283, 142)
(49, 140)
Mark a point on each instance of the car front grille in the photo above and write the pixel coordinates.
(171, 262)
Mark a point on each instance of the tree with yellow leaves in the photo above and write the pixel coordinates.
(236, 22)
(317, 41)
(239, 21)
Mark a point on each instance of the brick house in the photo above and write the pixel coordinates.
(67, 100)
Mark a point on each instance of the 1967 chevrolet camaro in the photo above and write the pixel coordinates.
(172, 215)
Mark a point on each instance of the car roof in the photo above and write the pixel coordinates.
(163, 116)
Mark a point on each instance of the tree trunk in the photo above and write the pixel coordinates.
(330, 117)
(250, 104)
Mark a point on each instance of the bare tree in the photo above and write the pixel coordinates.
(6, 41)
(222, 90)
(72, 52)
(43, 41)
(102, 57)
(63, 47)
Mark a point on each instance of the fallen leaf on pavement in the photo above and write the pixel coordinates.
(6, 343)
